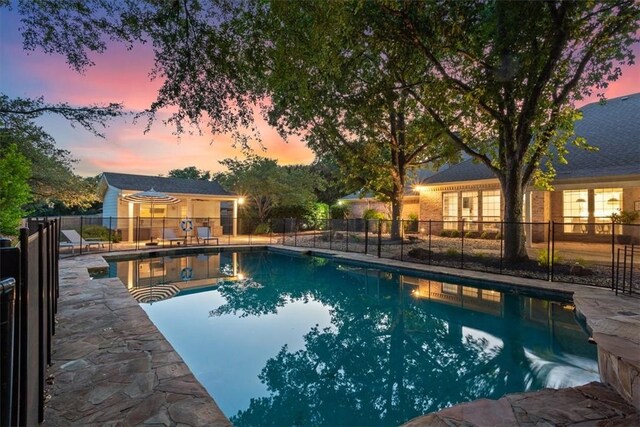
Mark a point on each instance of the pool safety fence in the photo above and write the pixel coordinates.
(570, 251)
(28, 303)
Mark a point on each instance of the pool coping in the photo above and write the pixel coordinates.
(613, 321)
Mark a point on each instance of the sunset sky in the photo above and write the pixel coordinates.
(122, 76)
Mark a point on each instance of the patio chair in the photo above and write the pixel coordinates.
(170, 236)
(74, 239)
(204, 234)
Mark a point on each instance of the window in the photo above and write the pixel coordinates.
(470, 209)
(491, 208)
(159, 211)
(449, 289)
(606, 201)
(450, 210)
(575, 210)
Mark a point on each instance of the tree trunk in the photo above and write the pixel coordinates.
(514, 238)
(397, 204)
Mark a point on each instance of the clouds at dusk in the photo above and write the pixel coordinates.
(122, 75)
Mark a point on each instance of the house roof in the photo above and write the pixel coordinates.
(613, 127)
(126, 181)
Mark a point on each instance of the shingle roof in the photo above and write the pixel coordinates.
(165, 185)
(613, 127)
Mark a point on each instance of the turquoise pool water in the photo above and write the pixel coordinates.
(288, 340)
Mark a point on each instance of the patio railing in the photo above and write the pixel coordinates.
(582, 253)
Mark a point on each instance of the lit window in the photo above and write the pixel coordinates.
(159, 211)
(470, 209)
(450, 210)
(491, 208)
(575, 209)
(606, 201)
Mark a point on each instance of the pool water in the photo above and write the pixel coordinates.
(299, 340)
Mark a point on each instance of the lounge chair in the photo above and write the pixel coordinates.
(74, 239)
(169, 235)
(204, 234)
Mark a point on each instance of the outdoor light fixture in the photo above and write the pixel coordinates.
(613, 201)
(241, 201)
(580, 200)
(339, 202)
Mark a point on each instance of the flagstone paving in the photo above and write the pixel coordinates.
(111, 366)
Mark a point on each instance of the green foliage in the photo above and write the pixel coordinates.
(373, 214)
(488, 235)
(471, 235)
(452, 252)
(100, 232)
(454, 233)
(340, 211)
(543, 257)
(52, 179)
(190, 172)
(14, 189)
(625, 217)
(266, 185)
(262, 229)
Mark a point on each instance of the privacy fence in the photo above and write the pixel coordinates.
(601, 253)
(28, 303)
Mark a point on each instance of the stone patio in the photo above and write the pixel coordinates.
(111, 366)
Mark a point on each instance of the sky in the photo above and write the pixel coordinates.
(122, 76)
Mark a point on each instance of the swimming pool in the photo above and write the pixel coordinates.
(298, 340)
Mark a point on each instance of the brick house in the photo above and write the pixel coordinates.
(587, 190)
(591, 186)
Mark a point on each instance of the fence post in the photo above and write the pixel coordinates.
(41, 304)
(553, 248)
(366, 236)
(549, 237)
(110, 237)
(81, 237)
(330, 233)
(501, 244)
(379, 236)
(617, 271)
(631, 270)
(401, 240)
(462, 245)
(624, 270)
(613, 251)
(347, 234)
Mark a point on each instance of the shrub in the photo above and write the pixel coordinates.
(498, 236)
(452, 252)
(471, 235)
(543, 257)
(445, 233)
(373, 214)
(488, 235)
(455, 233)
(262, 229)
(99, 232)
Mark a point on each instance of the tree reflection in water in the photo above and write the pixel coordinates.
(389, 356)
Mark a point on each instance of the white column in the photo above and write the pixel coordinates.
(235, 217)
(130, 222)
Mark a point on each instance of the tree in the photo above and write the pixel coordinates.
(331, 80)
(14, 189)
(190, 172)
(504, 77)
(266, 185)
(52, 179)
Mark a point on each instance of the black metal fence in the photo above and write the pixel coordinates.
(557, 251)
(28, 303)
(576, 252)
